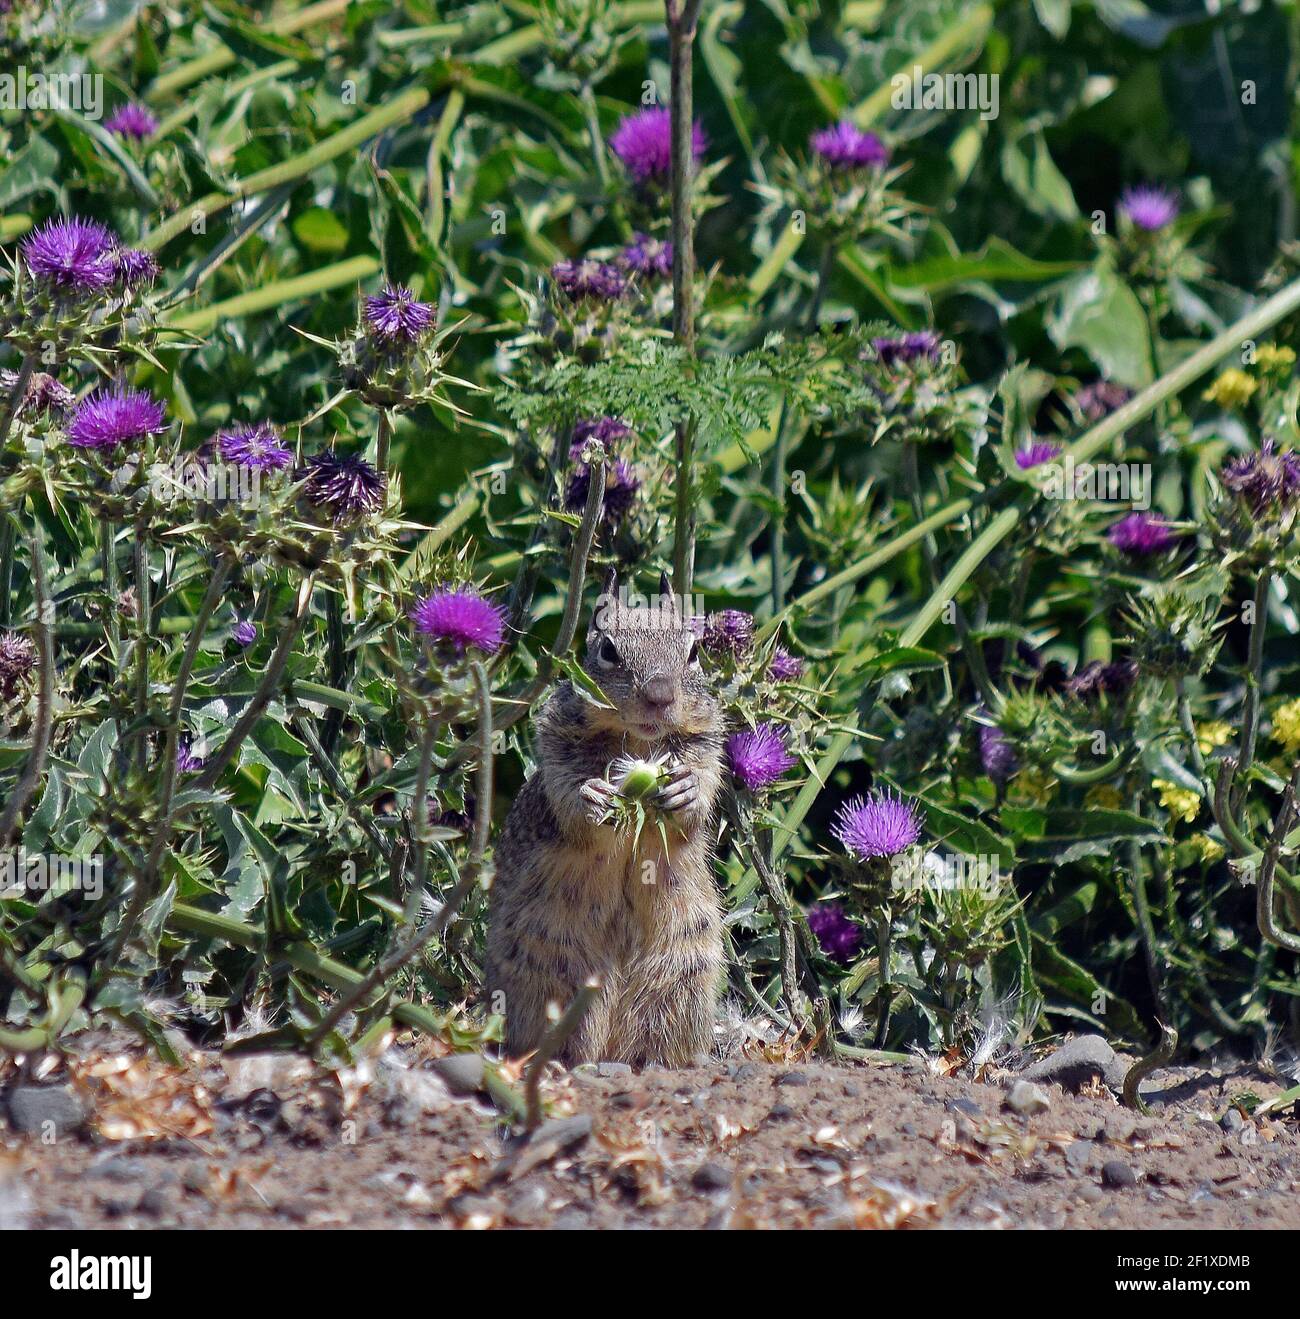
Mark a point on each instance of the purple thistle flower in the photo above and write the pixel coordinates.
(395, 317)
(17, 660)
(783, 666)
(759, 757)
(648, 256)
(1096, 679)
(1100, 399)
(878, 825)
(997, 755)
(134, 267)
(643, 142)
(187, 762)
(72, 255)
(1265, 479)
(1035, 454)
(112, 417)
(255, 447)
(621, 486)
(132, 120)
(344, 483)
(839, 937)
(589, 278)
(1148, 207)
(460, 617)
(846, 147)
(907, 348)
(728, 632)
(604, 430)
(1140, 534)
(245, 634)
(44, 393)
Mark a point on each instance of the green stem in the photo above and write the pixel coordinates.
(1254, 674)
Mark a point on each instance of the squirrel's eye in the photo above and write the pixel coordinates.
(608, 653)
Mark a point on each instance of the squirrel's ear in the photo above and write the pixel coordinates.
(665, 586)
(604, 604)
(609, 587)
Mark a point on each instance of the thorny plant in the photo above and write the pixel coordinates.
(992, 737)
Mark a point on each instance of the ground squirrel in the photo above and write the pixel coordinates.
(577, 896)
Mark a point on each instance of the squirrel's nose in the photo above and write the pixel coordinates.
(658, 691)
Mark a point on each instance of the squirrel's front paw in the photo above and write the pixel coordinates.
(598, 800)
(681, 792)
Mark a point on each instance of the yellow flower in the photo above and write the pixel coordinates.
(1272, 357)
(1286, 726)
(1032, 785)
(1181, 803)
(1209, 849)
(1104, 797)
(1211, 735)
(1233, 389)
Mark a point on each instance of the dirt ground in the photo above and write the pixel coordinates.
(114, 1139)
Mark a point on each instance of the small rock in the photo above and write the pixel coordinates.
(745, 1072)
(463, 1072)
(32, 1107)
(1117, 1174)
(968, 1107)
(485, 1209)
(780, 1113)
(1119, 1128)
(711, 1177)
(791, 1078)
(1075, 1064)
(121, 1168)
(295, 1209)
(153, 1202)
(1026, 1099)
(613, 1069)
(1090, 1193)
(1232, 1120)
(1078, 1155)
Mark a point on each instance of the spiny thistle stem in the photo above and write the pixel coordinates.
(265, 690)
(44, 694)
(147, 881)
(552, 1042)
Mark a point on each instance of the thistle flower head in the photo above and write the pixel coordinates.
(72, 255)
(1096, 679)
(188, 761)
(845, 146)
(604, 430)
(621, 486)
(783, 666)
(345, 484)
(459, 617)
(588, 278)
(878, 825)
(758, 757)
(648, 256)
(839, 937)
(1140, 534)
(245, 633)
(1269, 479)
(1100, 399)
(133, 121)
(997, 755)
(115, 416)
(44, 393)
(255, 447)
(728, 632)
(1035, 454)
(643, 142)
(17, 660)
(135, 268)
(395, 317)
(907, 348)
(1148, 207)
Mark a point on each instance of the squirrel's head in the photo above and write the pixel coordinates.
(645, 658)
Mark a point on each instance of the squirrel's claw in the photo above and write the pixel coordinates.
(680, 792)
(598, 796)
